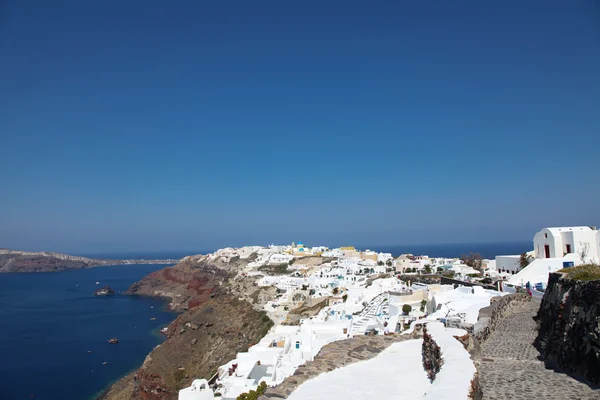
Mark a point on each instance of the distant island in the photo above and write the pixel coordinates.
(105, 291)
(26, 261)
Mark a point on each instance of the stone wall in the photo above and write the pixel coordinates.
(448, 364)
(489, 316)
(432, 355)
(569, 333)
(444, 280)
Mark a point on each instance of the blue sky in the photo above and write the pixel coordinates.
(193, 125)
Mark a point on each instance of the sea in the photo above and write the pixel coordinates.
(54, 331)
(455, 250)
(449, 250)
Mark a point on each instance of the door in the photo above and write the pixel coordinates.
(547, 250)
(569, 248)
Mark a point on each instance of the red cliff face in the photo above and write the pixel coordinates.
(214, 325)
(187, 286)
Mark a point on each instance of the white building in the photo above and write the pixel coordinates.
(554, 249)
(199, 390)
(333, 253)
(558, 242)
(280, 258)
(509, 264)
(384, 257)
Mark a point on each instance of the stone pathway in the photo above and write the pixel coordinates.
(510, 368)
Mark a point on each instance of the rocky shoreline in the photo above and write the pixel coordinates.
(217, 320)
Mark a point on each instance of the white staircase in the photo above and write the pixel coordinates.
(376, 306)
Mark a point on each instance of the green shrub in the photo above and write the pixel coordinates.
(345, 297)
(406, 308)
(587, 272)
(254, 394)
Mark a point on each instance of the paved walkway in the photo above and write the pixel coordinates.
(510, 368)
(333, 356)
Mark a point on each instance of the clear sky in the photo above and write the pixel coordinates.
(156, 125)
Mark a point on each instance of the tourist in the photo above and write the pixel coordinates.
(386, 329)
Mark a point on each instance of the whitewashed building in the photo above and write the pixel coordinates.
(558, 242)
(554, 249)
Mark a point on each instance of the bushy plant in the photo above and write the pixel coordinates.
(345, 297)
(406, 308)
(586, 272)
(254, 394)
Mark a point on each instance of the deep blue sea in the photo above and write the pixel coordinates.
(49, 322)
(454, 250)
(451, 250)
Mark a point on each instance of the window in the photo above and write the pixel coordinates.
(545, 236)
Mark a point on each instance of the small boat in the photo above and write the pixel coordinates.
(164, 330)
(97, 283)
(105, 362)
(113, 340)
(153, 319)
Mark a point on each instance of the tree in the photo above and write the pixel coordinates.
(428, 268)
(525, 260)
(473, 260)
(388, 263)
(380, 263)
(406, 309)
(584, 250)
(423, 305)
(335, 291)
(345, 297)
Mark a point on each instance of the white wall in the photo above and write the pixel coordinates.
(557, 240)
(508, 264)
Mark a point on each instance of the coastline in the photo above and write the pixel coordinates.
(215, 321)
(128, 377)
(79, 356)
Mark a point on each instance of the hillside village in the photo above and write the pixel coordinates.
(327, 295)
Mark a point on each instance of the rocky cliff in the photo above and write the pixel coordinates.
(26, 261)
(21, 261)
(569, 326)
(217, 321)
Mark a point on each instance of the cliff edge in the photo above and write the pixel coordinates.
(217, 321)
(569, 322)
